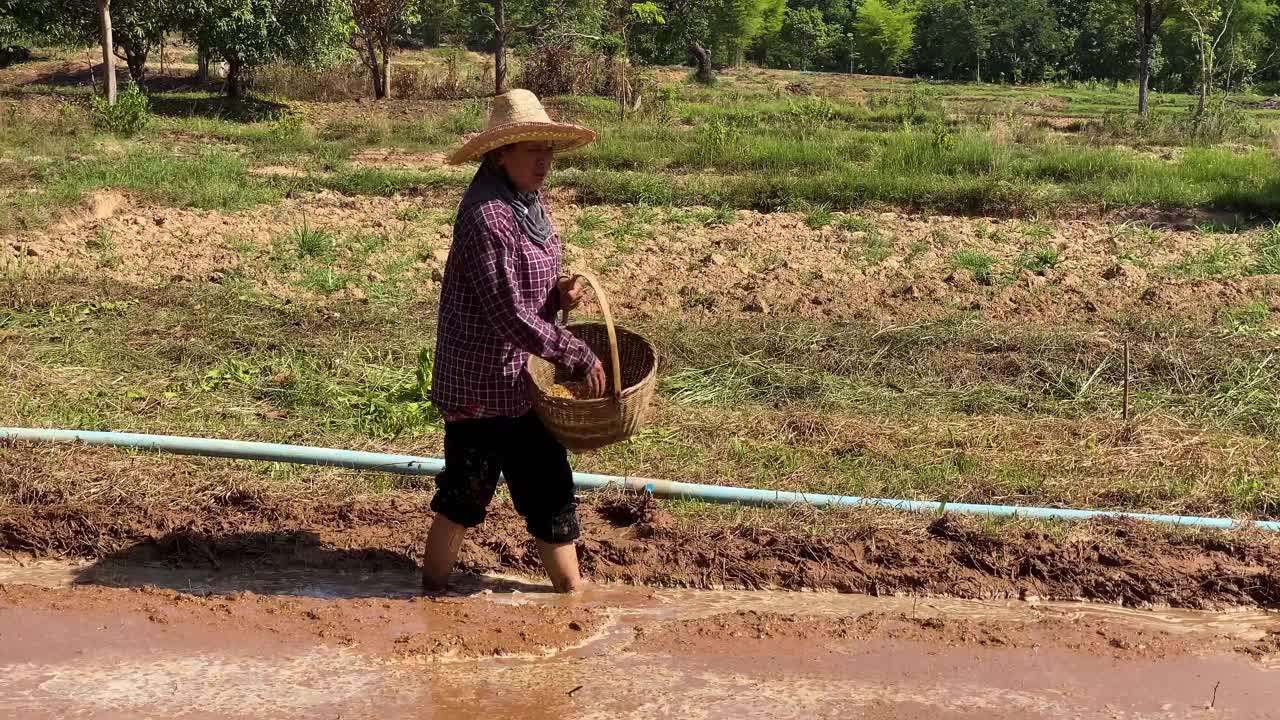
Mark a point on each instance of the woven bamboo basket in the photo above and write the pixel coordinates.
(631, 374)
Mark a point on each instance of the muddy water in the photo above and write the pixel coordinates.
(89, 650)
(1244, 624)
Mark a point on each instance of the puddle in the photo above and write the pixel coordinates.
(635, 603)
(639, 664)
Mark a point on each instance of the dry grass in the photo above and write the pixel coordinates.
(41, 475)
(910, 412)
(432, 75)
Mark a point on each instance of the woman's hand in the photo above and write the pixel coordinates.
(571, 292)
(596, 380)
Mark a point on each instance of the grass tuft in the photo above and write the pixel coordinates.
(981, 266)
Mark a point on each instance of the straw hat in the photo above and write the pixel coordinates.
(517, 116)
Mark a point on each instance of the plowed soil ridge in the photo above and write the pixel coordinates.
(634, 540)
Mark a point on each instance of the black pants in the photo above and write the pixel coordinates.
(535, 465)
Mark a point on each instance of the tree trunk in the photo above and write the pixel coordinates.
(108, 56)
(386, 73)
(234, 68)
(375, 68)
(202, 65)
(388, 49)
(499, 47)
(1144, 56)
(136, 58)
(379, 88)
(702, 57)
(1206, 75)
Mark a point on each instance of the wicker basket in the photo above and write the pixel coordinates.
(631, 371)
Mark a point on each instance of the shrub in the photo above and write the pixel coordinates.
(128, 117)
(564, 70)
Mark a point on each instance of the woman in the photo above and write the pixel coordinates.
(502, 291)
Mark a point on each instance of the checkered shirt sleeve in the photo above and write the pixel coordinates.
(497, 306)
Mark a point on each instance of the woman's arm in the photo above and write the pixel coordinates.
(491, 269)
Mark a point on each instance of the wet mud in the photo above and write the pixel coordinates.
(503, 647)
(634, 541)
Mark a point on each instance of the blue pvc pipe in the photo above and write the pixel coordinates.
(411, 465)
(236, 449)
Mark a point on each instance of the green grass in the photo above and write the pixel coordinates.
(980, 266)
(1267, 253)
(411, 214)
(841, 169)
(1037, 231)
(855, 223)
(1248, 319)
(715, 217)
(212, 180)
(742, 153)
(874, 248)
(817, 217)
(1219, 260)
(1041, 259)
(587, 228)
(312, 242)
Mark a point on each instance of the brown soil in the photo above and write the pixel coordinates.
(635, 541)
(760, 264)
(404, 629)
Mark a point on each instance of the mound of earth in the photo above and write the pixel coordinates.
(634, 540)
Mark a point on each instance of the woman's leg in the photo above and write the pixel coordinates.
(473, 452)
(561, 563)
(444, 540)
(541, 484)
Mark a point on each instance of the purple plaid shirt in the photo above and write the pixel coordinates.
(497, 306)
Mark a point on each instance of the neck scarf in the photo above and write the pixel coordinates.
(491, 183)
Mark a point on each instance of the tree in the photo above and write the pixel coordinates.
(139, 26)
(430, 22)
(108, 51)
(1106, 47)
(1071, 16)
(1227, 39)
(733, 24)
(803, 41)
(1269, 52)
(1151, 15)
(1247, 42)
(883, 35)
(688, 27)
(770, 32)
(1025, 41)
(247, 33)
(496, 25)
(31, 23)
(377, 22)
(1211, 20)
(947, 40)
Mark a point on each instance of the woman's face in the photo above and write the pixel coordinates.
(527, 164)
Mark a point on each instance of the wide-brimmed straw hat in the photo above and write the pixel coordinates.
(518, 116)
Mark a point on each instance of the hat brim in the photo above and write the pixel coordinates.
(563, 136)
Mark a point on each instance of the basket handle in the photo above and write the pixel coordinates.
(608, 322)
